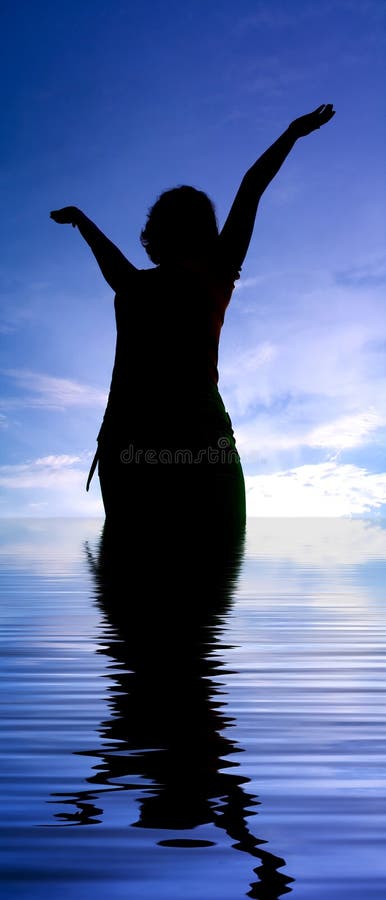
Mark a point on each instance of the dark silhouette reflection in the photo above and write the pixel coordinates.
(165, 607)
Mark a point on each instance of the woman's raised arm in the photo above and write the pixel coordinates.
(236, 234)
(114, 266)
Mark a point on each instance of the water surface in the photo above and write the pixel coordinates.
(193, 727)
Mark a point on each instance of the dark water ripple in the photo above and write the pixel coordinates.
(156, 744)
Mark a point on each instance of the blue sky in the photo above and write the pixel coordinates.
(104, 105)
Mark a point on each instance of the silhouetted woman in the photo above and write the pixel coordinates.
(166, 445)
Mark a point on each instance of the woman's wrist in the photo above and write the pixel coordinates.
(293, 130)
(78, 216)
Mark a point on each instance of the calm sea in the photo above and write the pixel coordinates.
(194, 727)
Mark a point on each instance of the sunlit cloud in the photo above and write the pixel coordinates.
(348, 431)
(307, 375)
(49, 486)
(55, 485)
(323, 489)
(268, 434)
(57, 462)
(249, 282)
(328, 360)
(51, 392)
(41, 472)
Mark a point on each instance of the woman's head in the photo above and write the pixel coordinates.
(181, 225)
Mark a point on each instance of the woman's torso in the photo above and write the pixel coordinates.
(164, 381)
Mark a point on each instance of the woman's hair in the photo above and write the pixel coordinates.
(181, 223)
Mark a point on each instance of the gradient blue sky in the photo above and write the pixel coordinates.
(106, 104)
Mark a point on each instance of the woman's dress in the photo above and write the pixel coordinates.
(166, 446)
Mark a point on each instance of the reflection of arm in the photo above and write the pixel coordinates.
(237, 231)
(114, 266)
(232, 818)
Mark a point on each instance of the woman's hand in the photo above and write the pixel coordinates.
(305, 124)
(69, 215)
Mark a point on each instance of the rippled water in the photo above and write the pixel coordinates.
(184, 731)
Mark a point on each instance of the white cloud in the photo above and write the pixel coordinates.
(348, 431)
(326, 341)
(321, 359)
(306, 372)
(257, 357)
(57, 462)
(53, 393)
(55, 485)
(267, 434)
(324, 489)
(249, 282)
(41, 472)
(50, 486)
(249, 379)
